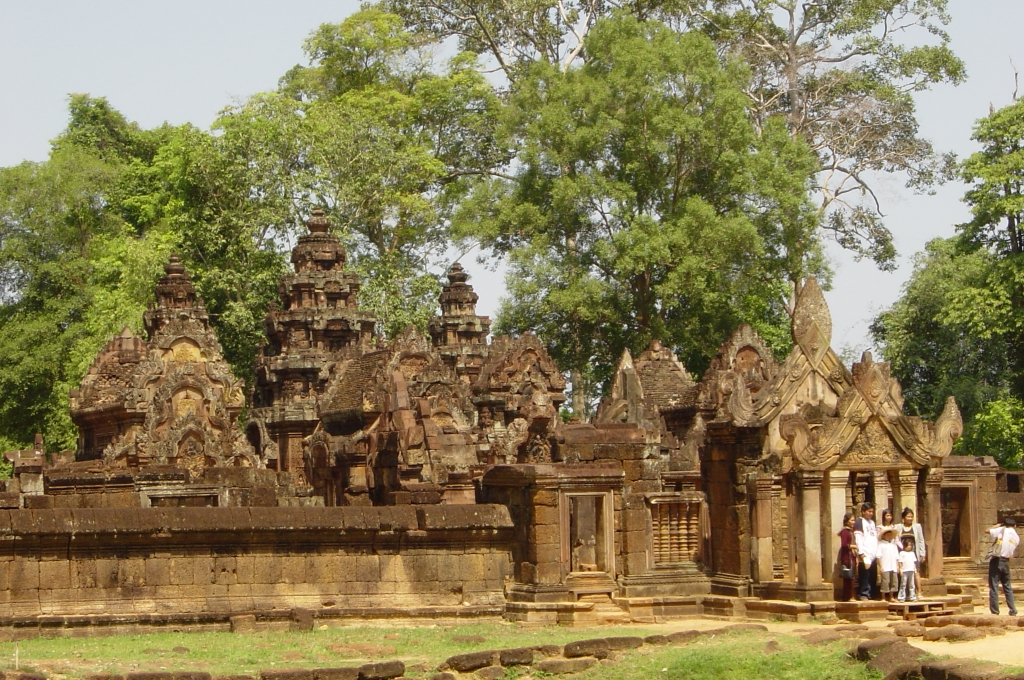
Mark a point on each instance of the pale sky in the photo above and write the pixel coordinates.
(183, 61)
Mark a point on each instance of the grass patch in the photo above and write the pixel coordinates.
(738, 654)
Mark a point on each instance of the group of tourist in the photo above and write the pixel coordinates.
(885, 559)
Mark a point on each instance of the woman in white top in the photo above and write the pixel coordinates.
(912, 530)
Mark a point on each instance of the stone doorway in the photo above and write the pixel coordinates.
(957, 534)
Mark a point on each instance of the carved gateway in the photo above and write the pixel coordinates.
(817, 414)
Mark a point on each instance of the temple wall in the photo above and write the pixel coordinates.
(129, 564)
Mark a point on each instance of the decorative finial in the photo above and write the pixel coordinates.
(811, 310)
(318, 222)
(174, 266)
(456, 274)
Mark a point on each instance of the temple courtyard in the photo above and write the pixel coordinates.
(695, 648)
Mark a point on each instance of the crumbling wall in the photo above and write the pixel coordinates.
(128, 564)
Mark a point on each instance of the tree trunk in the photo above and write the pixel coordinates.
(579, 396)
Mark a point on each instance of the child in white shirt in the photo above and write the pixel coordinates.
(908, 568)
(888, 564)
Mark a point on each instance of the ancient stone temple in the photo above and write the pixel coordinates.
(459, 334)
(434, 475)
(316, 325)
(168, 400)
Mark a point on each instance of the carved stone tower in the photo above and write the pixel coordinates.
(459, 333)
(169, 400)
(316, 325)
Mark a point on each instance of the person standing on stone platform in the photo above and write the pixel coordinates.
(866, 535)
(908, 571)
(888, 562)
(1006, 540)
(847, 556)
(912, 530)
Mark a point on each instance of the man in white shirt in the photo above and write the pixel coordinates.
(1006, 540)
(865, 533)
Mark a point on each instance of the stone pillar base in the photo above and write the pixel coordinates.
(933, 587)
(551, 613)
(794, 592)
(730, 585)
(665, 583)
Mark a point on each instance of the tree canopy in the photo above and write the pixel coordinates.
(957, 327)
(644, 204)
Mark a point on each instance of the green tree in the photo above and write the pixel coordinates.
(957, 327)
(644, 203)
(372, 131)
(935, 353)
(842, 74)
(73, 269)
(997, 429)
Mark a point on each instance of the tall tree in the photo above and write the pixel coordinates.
(841, 73)
(957, 327)
(74, 266)
(644, 204)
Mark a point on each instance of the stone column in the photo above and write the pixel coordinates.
(838, 497)
(897, 495)
(808, 559)
(762, 529)
(880, 481)
(929, 490)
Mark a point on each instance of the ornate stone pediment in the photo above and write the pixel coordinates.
(868, 430)
(733, 387)
(523, 376)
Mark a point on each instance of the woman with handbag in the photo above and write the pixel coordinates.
(847, 557)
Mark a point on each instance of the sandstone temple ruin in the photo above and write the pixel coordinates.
(432, 475)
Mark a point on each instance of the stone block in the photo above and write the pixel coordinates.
(302, 619)
(746, 626)
(617, 644)
(682, 636)
(24, 575)
(54, 574)
(467, 663)
(490, 673)
(823, 637)
(908, 630)
(243, 623)
(896, 656)
(350, 673)
(869, 649)
(287, 674)
(951, 669)
(636, 563)
(521, 656)
(596, 647)
(158, 571)
(954, 633)
(545, 497)
(384, 670)
(543, 514)
(558, 666)
(656, 640)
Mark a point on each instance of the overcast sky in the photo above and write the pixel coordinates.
(183, 61)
